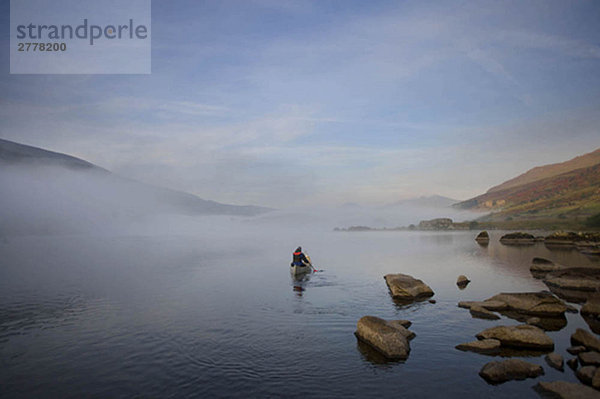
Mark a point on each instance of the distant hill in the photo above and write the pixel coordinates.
(68, 179)
(565, 190)
(555, 169)
(432, 201)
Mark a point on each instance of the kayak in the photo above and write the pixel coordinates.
(298, 270)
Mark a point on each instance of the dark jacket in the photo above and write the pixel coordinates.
(299, 258)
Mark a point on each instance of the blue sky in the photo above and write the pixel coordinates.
(285, 103)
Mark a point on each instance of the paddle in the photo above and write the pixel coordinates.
(310, 263)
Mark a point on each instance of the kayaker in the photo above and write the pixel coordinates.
(299, 259)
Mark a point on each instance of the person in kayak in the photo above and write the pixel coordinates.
(299, 259)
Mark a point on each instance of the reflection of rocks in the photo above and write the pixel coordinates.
(517, 239)
(388, 338)
(407, 288)
(486, 346)
(462, 282)
(483, 238)
(520, 337)
(584, 338)
(482, 313)
(565, 390)
(512, 369)
(556, 361)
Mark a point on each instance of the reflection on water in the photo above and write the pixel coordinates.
(214, 316)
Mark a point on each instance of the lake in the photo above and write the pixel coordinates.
(217, 314)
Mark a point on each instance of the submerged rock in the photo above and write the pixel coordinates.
(462, 282)
(540, 266)
(486, 346)
(511, 369)
(388, 338)
(565, 390)
(556, 361)
(520, 337)
(584, 338)
(517, 239)
(483, 238)
(408, 288)
(482, 313)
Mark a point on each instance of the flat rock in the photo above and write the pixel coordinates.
(511, 369)
(405, 287)
(575, 279)
(596, 379)
(534, 321)
(389, 339)
(555, 360)
(584, 338)
(589, 358)
(489, 305)
(565, 390)
(591, 308)
(574, 350)
(521, 337)
(541, 265)
(586, 374)
(517, 239)
(532, 303)
(482, 313)
(487, 346)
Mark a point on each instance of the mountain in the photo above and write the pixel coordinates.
(432, 201)
(542, 172)
(568, 190)
(40, 185)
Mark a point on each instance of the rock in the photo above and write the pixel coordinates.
(589, 358)
(405, 287)
(555, 360)
(534, 321)
(403, 323)
(521, 337)
(483, 238)
(591, 308)
(596, 379)
(565, 390)
(574, 350)
(487, 346)
(389, 339)
(517, 239)
(571, 308)
(482, 313)
(586, 374)
(462, 281)
(572, 363)
(576, 279)
(487, 304)
(432, 301)
(541, 266)
(542, 304)
(582, 337)
(511, 369)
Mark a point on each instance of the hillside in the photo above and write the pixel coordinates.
(546, 171)
(573, 195)
(50, 189)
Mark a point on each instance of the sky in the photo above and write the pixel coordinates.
(298, 103)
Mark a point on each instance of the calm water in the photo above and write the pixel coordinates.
(216, 315)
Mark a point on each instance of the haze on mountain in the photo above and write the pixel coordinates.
(49, 192)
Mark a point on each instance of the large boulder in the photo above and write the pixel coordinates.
(486, 346)
(517, 239)
(565, 390)
(542, 304)
(584, 338)
(407, 288)
(388, 338)
(511, 369)
(520, 337)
